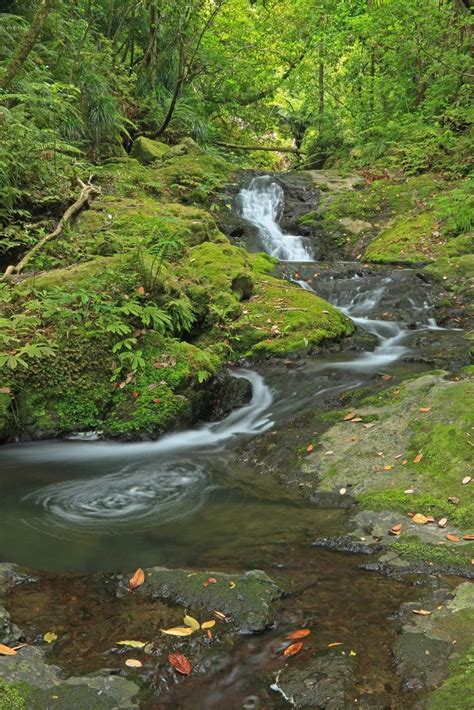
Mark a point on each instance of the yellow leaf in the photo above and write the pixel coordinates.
(334, 643)
(133, 663)
(232, 584)
(132, 644)
(178, 631)
(192, 622)
(419, 519)
(352, 653)
(6, 650)
(50, 636)
(208, 624)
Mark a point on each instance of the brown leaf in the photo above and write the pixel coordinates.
(212, 580)
(335, 643)
(220, 615)
(350, 416)
(418, 458)
(468, 537)
(293, 649)
(298, 634)
(396, 529)
(442, 522)
(425, 409)
(157, 400)
(421, 612)
(452, 538)
(140, 290)
(419, 519)
(310, 448)
(137, 580)
(356, 420)
(6, 650)
(369, 425)
(454, 500)
(180, 663)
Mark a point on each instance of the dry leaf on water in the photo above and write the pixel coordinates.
(50, 636)
(6, 650)
(192, 622)
(298, 634)
(293, 648)
(180, 663)
(208, 624)
(452, 538)
(137, 580)
(421, 612)
(133, 663)
(178, 631)
(419, 519)
(131, 644)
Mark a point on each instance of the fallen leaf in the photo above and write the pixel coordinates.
(409, 490)
(334, 643)
(419, 519)
(396, 529)
(350, 416)
(342, 491)
(133, 663)
(310, 448)
(180, 663)
(454, 500)
(298, 634)
(421, 612)
(389, 467)
(178, 631)
(220, 615)
(192, 622)
(418, 458)
(140, 290)
(452, 538)
(355, 420)
(425, 409)
(6, 650)
(369, 425)
(232, 584)
(352, 653)
(209, 634)
(293, 648)
(208, 624)
(212, 580)
(404, 462)
(442, 522)
(430, 519)
(398, 456)
(132, 644)
(137, 580)
(468, 537)
(387, 377)
(466, 479)
(50, 636)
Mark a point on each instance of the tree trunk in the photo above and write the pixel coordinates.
(176, 93)
(24, 48)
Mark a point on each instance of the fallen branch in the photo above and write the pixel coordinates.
(234, 146)
(88, 193)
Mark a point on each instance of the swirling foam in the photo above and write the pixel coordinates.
(149, 495)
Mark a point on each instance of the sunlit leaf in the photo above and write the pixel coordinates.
(178, 631)
(137, 579)
(180, 663)
(6, 650)
(298, 634)
(293, 649)
(208, 624)
(133, 663)
(131, 644)
(192, 622)
(421, 612)
(50, 636)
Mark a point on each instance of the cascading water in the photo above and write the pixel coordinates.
(261, 204)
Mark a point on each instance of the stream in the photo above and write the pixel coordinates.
(84, 504)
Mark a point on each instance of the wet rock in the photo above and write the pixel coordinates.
(444, 349)
(324, 681)
(421, 661)
(346, 543)
(247, 604)
(11, 575)
(331, 499)
(224, 394)
(42, 685)
(9, 633)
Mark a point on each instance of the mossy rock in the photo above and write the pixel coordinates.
(409, 240)
(164, 393)
(146, 151)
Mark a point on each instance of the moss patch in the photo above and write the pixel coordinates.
(146, 151)
(455, 692)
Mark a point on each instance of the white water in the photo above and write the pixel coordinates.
(261, 204)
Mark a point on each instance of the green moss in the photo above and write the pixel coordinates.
(455, 692)
(146, 151)
(456, 274)
(409, 240)
(13, 696)
(163, 392)
(427, 503)
(309, 219)
(413, 550)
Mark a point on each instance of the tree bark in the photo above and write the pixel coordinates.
(26, 45)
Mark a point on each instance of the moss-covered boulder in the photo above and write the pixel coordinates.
(146, 151)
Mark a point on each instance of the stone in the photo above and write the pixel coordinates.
(324, 681)
(355, 226)
(146, 151)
